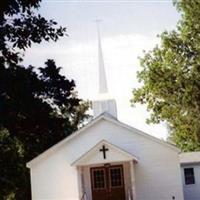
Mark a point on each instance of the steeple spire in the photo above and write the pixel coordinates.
(102, 74)
(104, 103)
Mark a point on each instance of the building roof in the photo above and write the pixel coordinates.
(107, 117)
(189, 157)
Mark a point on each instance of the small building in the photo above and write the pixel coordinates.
(190, 170)
(107, 160)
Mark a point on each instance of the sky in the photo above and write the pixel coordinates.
(127, 29)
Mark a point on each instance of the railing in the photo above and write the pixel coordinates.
(130, 194)
(84, 196)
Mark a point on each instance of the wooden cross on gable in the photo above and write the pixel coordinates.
(104, 149)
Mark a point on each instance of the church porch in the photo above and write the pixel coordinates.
(106, 172)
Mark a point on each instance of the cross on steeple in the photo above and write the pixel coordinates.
(104, 149)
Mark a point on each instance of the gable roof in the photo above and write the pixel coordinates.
(189, 157)
(116, 154)
(107, 117)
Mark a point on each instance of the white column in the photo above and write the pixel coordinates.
(133, 183)
(81, 181)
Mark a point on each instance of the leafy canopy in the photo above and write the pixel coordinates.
(38, 106)
(171, 78)
(36, 111)
(21, 26)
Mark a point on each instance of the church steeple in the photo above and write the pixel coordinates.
(103, 88)
(103, 104)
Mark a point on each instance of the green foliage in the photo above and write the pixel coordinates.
(171, 78)
(20, 26)
(36, 111)
(38, 106)
(11, 154)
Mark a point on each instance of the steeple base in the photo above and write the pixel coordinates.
(104, 106)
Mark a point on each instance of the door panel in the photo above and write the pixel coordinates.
(116, 182)
(99, 187)
(107, 183)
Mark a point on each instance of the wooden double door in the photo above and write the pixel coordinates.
(107, 182)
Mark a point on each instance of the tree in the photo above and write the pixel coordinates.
(20, 26)
(171, 78)
(38, 106)
(37, 111)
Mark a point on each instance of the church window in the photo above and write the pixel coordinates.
(189, 176)
(116, 177)
(98, 179)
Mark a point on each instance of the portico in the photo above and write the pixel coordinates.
(106, 172)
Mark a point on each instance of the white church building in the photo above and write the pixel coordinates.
(107, 160)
